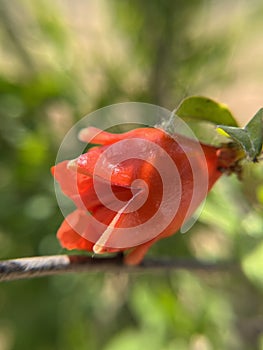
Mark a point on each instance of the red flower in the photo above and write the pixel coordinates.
(135, 189)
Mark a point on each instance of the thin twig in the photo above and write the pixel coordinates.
(59, 264)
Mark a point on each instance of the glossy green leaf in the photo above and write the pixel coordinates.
(250, 137)
(255, 130)
(205, 109)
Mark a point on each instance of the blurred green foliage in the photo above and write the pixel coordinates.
(61, 60)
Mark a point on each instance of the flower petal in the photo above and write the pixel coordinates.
(97, 136)
(80, 188)
(80, 230)
(69, 238)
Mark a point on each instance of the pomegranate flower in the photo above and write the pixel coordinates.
(136, 188)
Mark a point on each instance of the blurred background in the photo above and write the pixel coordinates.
(60, 60)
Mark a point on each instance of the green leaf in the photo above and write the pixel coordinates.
(255, 131)
(250, 138)
(204, 109)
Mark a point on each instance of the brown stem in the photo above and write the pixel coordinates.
(40, 266)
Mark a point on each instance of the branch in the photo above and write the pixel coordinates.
(59, 264)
